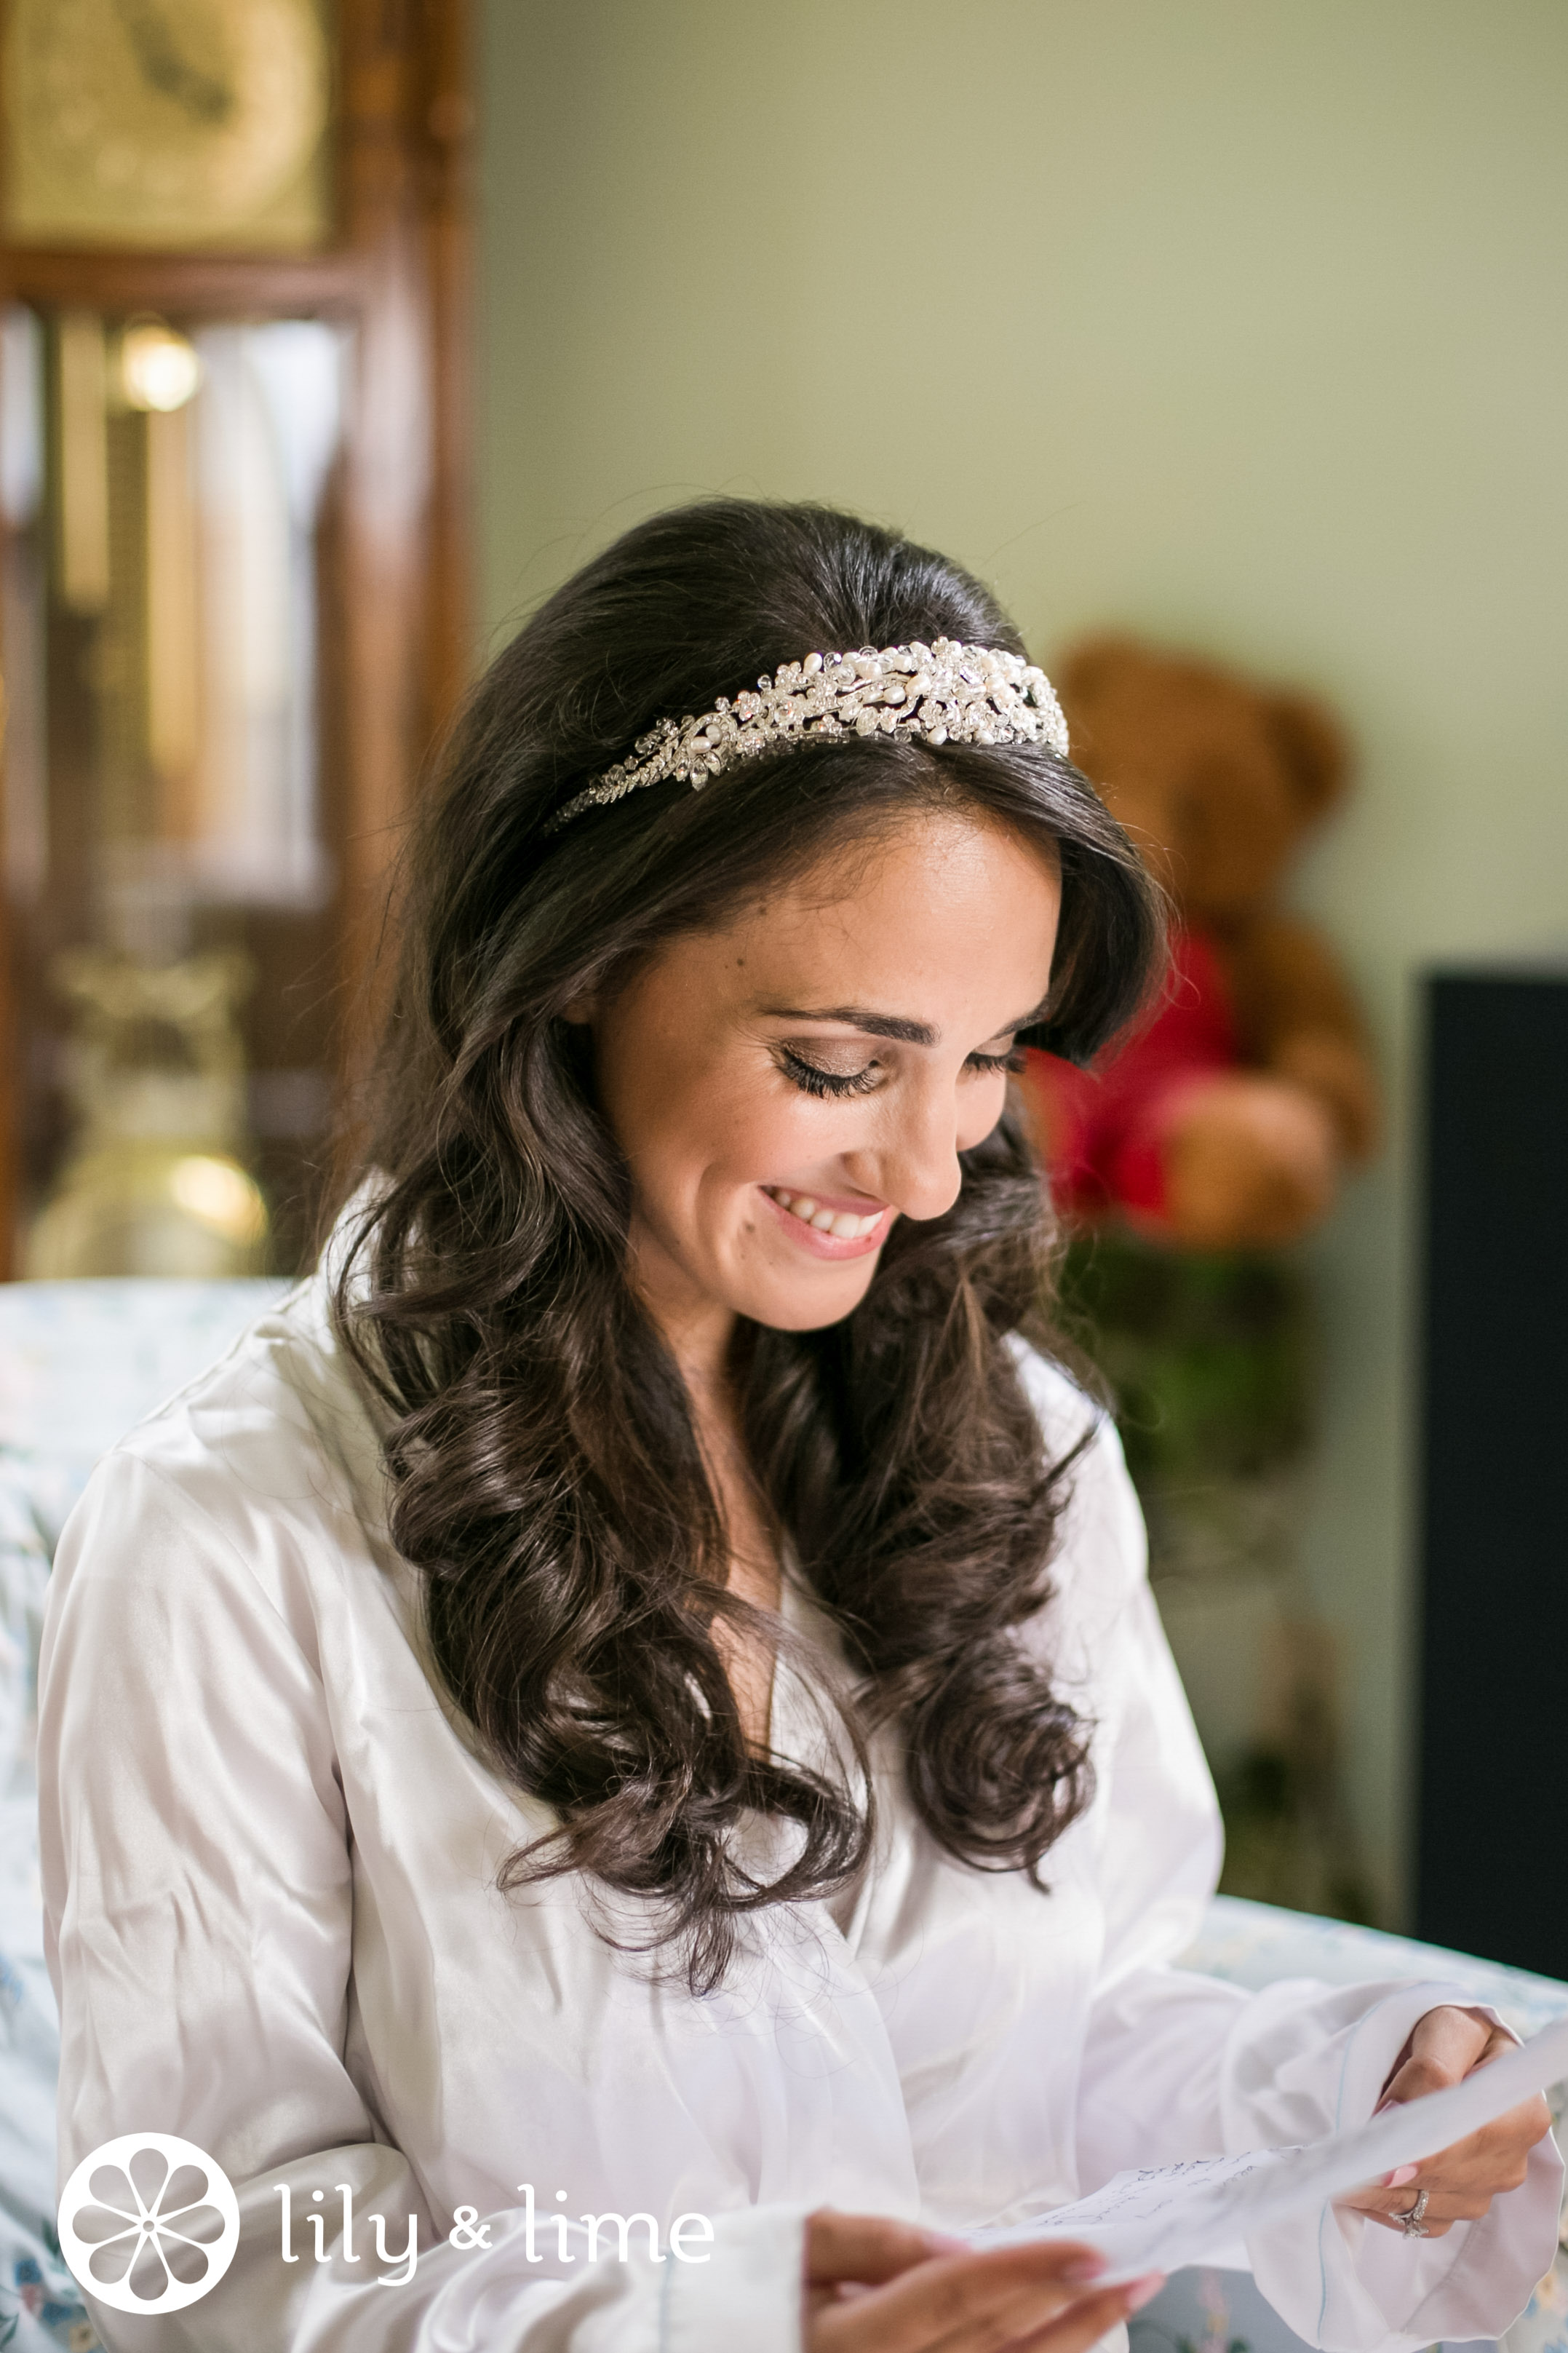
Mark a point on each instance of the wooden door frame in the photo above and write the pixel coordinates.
(400, 275)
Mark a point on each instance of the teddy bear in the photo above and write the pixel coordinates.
(1225, 1121)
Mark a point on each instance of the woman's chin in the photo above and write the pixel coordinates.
(810, 1302)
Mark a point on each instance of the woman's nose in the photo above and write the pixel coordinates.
(914, 1165)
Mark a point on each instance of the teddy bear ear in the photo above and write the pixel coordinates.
(1313, 747)
(1085, 670)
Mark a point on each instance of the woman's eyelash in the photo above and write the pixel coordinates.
(813, 1080)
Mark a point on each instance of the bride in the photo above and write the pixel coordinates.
(614, 1765)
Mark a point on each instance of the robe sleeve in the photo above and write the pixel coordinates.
(1178, 2065)
(198, 1892)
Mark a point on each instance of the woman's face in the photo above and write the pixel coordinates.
(783, 1089)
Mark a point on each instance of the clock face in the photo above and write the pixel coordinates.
(166, 123)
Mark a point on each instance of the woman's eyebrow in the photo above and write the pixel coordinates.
(857, 1016)
(882, 1025)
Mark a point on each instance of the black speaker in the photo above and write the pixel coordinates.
(1492, 1839)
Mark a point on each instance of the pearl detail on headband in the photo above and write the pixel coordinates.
(948, 693)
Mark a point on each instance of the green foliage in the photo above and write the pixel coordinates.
(1285, 1840)
(1212, 1365)
(1211, 1358)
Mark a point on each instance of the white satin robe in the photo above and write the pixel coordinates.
(269, 1861)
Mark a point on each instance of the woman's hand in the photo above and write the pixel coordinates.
(1460, 2182)
(879, 2286)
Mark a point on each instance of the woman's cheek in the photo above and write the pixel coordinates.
(773, 1132)
(980, 1107)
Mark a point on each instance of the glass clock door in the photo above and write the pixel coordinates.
(170, 511)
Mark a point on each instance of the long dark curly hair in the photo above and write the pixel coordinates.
(543, 1459)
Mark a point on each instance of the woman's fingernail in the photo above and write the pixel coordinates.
(942, 2243)
(1397, 2180)
(1082, 2269)
(1139, 2291)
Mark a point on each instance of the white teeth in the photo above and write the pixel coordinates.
(841, 1223)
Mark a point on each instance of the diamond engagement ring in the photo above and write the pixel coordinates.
(1414, 2222)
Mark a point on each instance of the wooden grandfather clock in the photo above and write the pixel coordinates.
(235, 608)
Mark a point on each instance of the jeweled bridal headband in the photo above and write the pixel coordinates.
(948, 693)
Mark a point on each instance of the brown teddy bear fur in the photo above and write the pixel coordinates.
(1218, 781)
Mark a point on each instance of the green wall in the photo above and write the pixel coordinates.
(1244, 322)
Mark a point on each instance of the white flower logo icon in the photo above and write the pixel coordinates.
(149, 2223)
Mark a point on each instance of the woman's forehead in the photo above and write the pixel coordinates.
(939, 916)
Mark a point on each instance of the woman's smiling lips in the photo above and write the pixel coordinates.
(827, 1228)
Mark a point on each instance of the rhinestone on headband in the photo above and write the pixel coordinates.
(947, 693)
